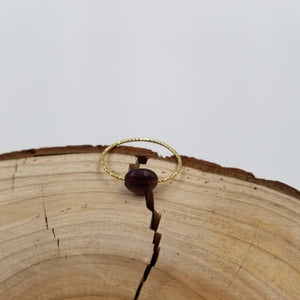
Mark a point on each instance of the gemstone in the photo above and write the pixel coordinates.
(141, 180)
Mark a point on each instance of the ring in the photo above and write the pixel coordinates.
(163, 179)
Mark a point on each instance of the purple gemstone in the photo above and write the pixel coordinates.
(140, 181)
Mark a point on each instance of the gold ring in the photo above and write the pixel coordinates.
(163, 179)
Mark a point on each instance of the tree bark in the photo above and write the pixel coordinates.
(70, 231)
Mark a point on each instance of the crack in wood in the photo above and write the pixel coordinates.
(153, 226)
(57, 239)
(156, 240)
(46, 220)
(245, 258)
(139, 160)
(44, 206)
(14, 177)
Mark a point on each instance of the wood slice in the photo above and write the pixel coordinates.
(70, 231)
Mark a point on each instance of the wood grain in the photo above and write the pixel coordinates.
(70, 231)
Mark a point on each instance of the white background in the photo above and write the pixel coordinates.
(218, 80)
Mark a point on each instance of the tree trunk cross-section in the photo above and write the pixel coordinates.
(70, 231)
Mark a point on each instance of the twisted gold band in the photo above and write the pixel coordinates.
(163, 179)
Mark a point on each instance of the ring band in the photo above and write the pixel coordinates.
(163, 179)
